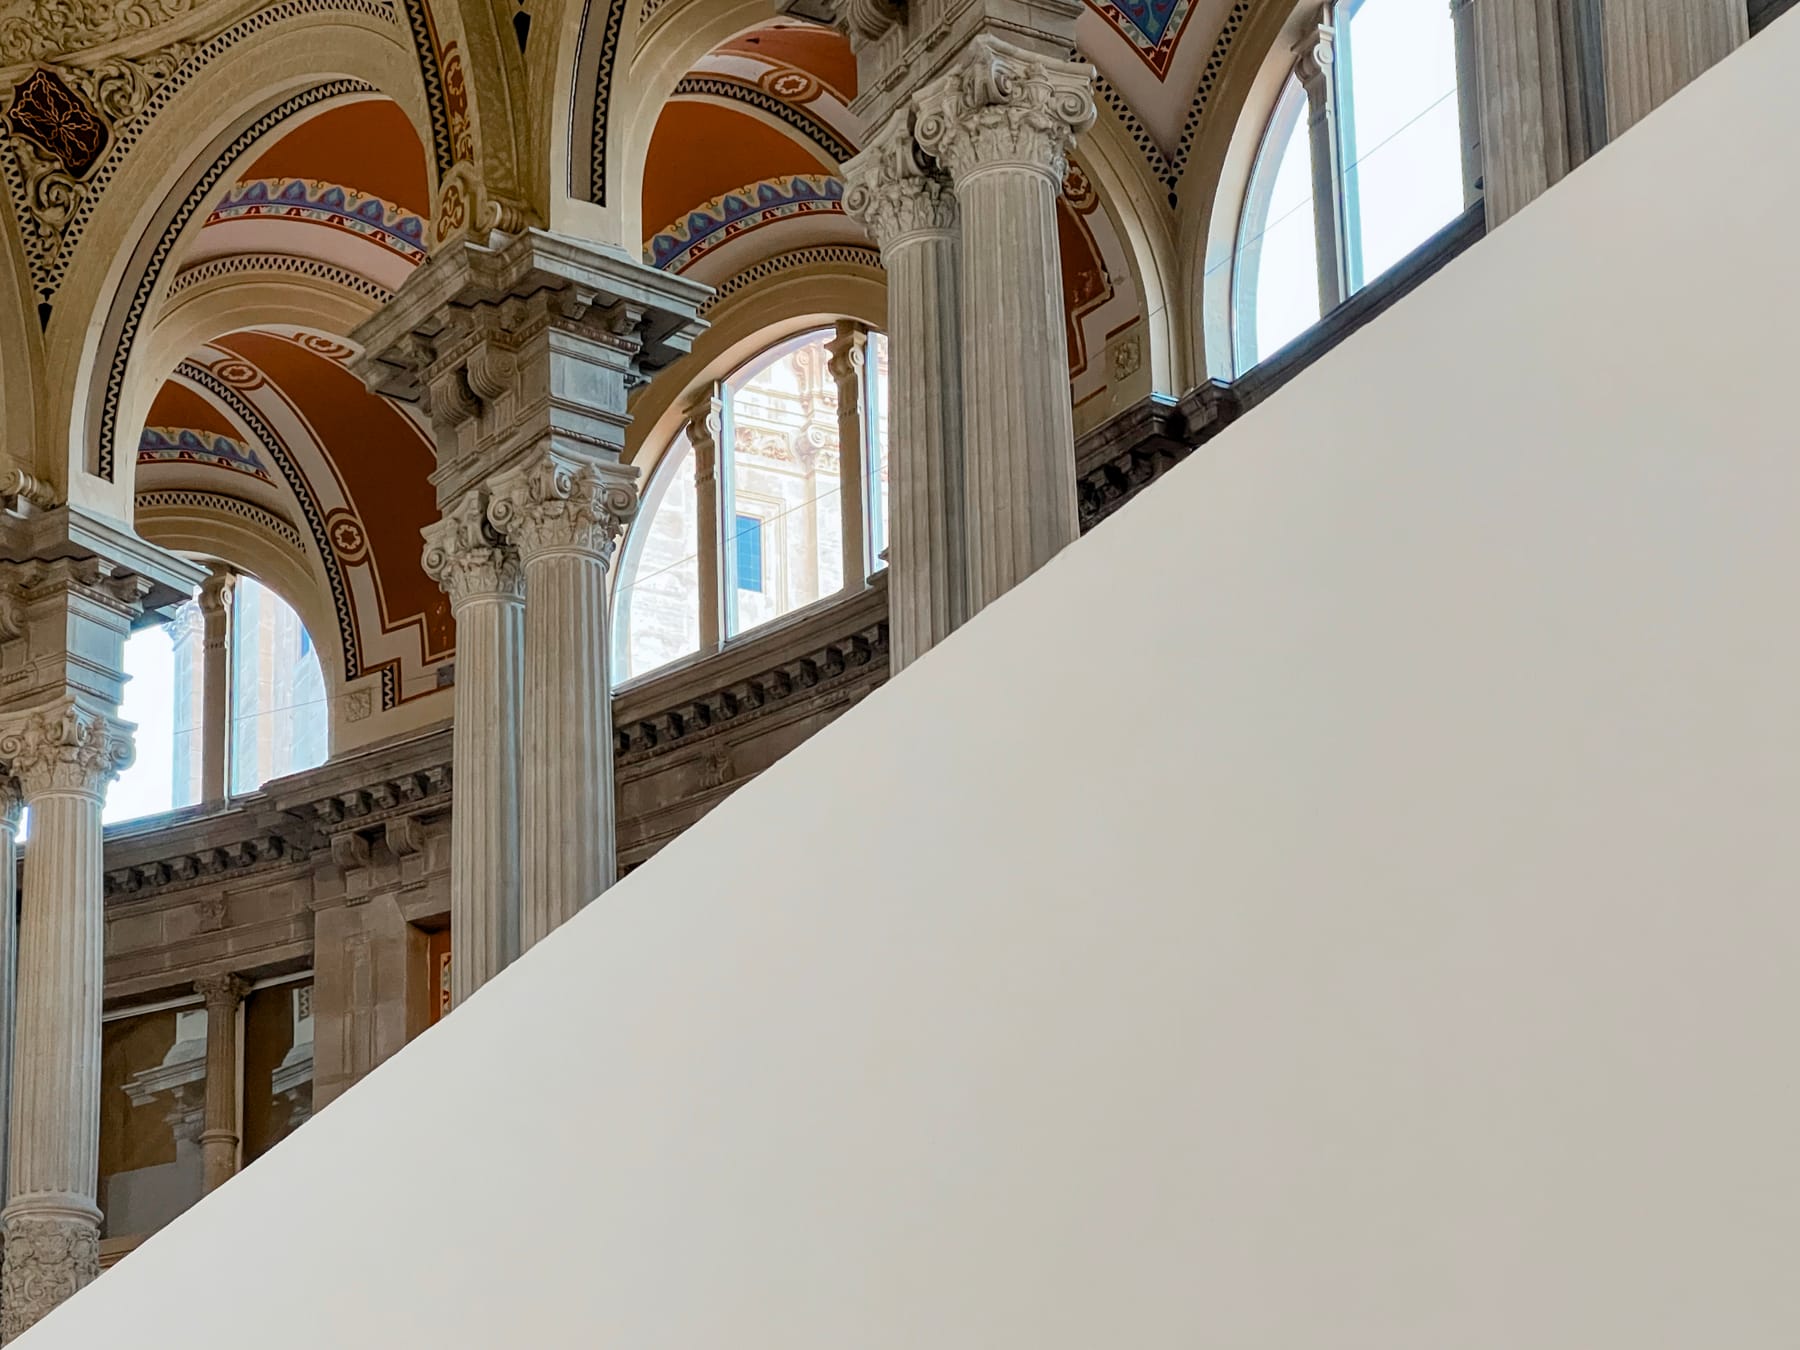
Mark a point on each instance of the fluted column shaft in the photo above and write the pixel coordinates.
(565, 516)
(1002, 121)
(1656, 47)
(11, 804)
(481, 574)
(911, 213)
(64, 756)
(219, 1141)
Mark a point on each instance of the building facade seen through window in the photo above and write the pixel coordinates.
(1359, 164)
(758, 508)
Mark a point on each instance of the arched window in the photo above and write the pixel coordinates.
(164, 698)
(1361, 162)
(278, 714)
(758, 509)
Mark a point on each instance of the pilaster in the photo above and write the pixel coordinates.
(224, 997)
(12, 805)
(848, 366)
(705, 418)
(218, 594)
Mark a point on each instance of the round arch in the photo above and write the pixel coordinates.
(206, 525)
(1224, 155)
(151, 211)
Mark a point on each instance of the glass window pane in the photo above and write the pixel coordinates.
(278, 1065)
(875, 474)
(279, 720)
(164, 694)
(658, 599)
(1277, 280)
(781, 475)
(1396, 71)
(152, 1110)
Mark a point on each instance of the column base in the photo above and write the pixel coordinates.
(48, 1259)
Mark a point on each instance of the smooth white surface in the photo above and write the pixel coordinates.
(1347, 901)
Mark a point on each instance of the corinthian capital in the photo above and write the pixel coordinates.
(65, 747)
(559, 504)
(891, 193)
(1001, 106)
(467, 557)
(222, 993)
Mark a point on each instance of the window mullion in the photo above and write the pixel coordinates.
(1313, 67)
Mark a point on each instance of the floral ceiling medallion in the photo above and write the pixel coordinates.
(58, 120)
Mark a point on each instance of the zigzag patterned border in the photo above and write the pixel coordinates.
(247, 413)
(252, 263)
(738, 91)
(711, 224)
(1169, 169)
(197, 195)
(218, 501)
(603, 77)
(848, 255)
(424, 36)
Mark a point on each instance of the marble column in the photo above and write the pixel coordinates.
(910, 212)
(12, 805)
(223, 995)
(481, 574)
(705, 416)
(217, 594)
(1656, 47)
(1003, 121)
(64, 755)
(564, 514)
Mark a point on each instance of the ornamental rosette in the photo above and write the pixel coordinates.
(468, 558)
(1004, 106)
(66, 748)
(891, 193)
(48, 1261)
(559, 504)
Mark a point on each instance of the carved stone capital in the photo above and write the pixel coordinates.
(892, 193)
(468, 557)
(557, 504)
(1000, 106)
(222, 993)
(65, 747)
(47, 1261)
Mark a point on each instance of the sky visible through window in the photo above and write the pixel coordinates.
(1403, 179)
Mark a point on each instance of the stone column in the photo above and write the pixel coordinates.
(705, 417)
(848, 368)
(217, 594)
(565, 514)
(911, 214)
(64, 755)
(11, 804)
(1540, 117)
(223, 996)
(1655, 47)
(481, 574)
(1002, 121)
